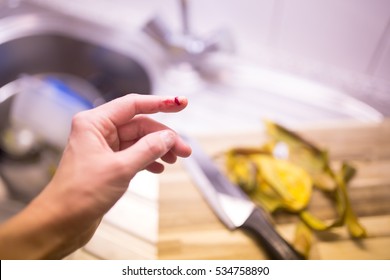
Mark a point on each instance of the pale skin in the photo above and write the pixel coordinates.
(107, 146)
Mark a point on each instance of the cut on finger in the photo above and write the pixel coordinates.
(119, 111)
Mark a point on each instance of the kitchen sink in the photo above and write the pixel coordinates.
(225, 92)
(35, 40)
(111, 73)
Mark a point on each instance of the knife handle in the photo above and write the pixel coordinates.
(277, 248)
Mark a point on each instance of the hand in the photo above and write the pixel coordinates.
(107, 146)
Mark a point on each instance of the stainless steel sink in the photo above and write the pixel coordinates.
(37, 40)
(112, 73)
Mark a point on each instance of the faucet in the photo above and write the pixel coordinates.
(185, 46)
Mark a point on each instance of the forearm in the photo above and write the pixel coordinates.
(35, 233)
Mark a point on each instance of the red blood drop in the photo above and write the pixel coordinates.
(177, 101)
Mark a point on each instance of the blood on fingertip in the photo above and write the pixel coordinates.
(177, 101)
(173, 101)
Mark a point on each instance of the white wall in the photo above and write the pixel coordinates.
(339, 32)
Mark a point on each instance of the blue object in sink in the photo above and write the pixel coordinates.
(67, 92)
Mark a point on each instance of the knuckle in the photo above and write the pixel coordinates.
(79, 120)
(154, 148)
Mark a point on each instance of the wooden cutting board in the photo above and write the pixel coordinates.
(188, 229)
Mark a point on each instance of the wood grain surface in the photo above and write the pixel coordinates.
(188, 229)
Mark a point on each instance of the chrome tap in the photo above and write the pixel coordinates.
(185, 46)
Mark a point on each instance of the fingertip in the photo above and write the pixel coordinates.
(181, 101)
(155, 167)
(169, 157)
(175, 103)
(187, 152)
(183, 149)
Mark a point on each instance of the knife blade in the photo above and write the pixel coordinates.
(232, 205)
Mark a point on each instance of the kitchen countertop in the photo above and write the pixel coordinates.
(188, 229)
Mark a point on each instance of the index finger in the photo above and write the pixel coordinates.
(124, 108)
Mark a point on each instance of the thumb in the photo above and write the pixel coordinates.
(148, 149)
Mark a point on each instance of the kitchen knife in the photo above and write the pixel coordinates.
(232, 206)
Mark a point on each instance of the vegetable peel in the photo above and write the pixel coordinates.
(287, 184)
